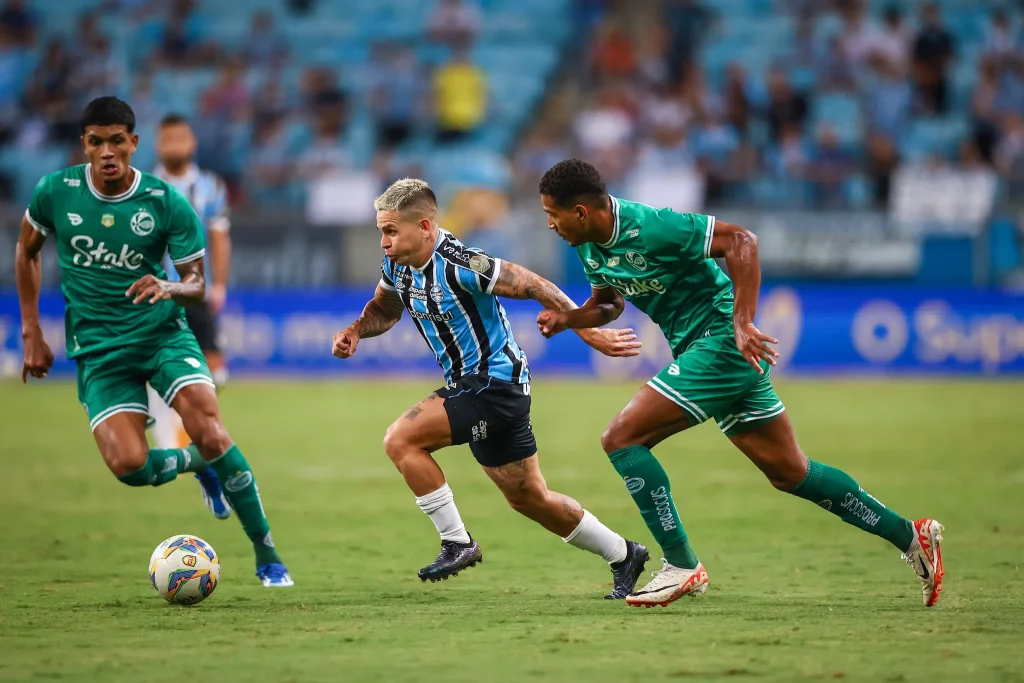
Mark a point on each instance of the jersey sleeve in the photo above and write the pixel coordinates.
(595, 279)
(217, 211)
(40, 208)
(680, 237)
(387, 274)
(185, 241)
(480, 272)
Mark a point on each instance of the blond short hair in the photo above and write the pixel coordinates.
(405, 194)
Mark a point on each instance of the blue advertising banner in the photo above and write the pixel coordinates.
(841, 329)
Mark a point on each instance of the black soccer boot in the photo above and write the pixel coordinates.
(626, 573)
(453, 558)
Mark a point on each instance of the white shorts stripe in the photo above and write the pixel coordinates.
(695, 412)
(732, 420)
(680, 397)
(119, 408)
(179, 382)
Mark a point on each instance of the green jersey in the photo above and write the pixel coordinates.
(660, 261)
(104, 244)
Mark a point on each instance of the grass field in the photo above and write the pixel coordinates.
(795, 594)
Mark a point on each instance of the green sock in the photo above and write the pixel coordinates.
(837, 492)
(164, 465)
(647, 482)
(240, 489)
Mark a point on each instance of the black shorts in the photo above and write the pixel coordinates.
(203, 325)
(492, 416)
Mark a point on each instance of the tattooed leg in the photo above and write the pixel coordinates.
(411, 439)
(527, 493)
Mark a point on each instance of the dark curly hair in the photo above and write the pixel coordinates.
(108, 111)
(573, 181)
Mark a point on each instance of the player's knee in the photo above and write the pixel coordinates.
(125, 459)
(211, 438)
(396, 443)
(617, 436)
(786, 477)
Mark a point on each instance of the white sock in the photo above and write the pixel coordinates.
(440, 507)
(595, 537)
(167, 423)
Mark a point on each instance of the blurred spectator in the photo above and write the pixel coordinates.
(933, 53)
(1001, 42)
(147, 110)
(542, 149)
(14, 62)
(1009, 155)
(651, 55)
(395, 90)
(301, 7)
(665, 172)
(893, 42)
(829, 169)
(836, 70)
(97, 72)
(605, 125)
(460, 98)
(882, 160)
(804, 51)
(455, 22)
(328, 154)
(49, 87)
(269, 103)
(322, 94)
(613, 54)
(270, 163)
(688, 22)
(737, 103)
(87, 35)
(993, 98)
(18, 23)
(228, 98)
(790, 158)
(888, 102)
(265, 47)
(785, 107)
(969, 157)
(181, 43)
(859, 36)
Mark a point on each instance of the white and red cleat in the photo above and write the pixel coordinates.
(670, 584)
(925, 558)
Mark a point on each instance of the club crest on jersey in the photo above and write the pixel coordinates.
(107, 220)
(613, 261)
(143, 223)
(636, 260)
(437, 294)
(478, 263)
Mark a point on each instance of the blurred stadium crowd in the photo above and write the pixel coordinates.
(317, 104)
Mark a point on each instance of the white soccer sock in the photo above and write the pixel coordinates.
(167, 423)
(595, 537)
(440, 507)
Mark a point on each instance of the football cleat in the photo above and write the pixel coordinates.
(453, 558)
(213, 494)
(274, 575)
(670, 584)
(626, 573)
(925, 558)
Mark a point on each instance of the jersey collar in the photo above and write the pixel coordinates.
(116, 198)
(615, 224)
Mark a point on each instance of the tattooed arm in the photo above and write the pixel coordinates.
(379, 315)
(516, 282)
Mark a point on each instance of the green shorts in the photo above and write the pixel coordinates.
(712, 379)
(115, 382)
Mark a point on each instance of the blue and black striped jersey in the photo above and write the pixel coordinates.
(450, 301)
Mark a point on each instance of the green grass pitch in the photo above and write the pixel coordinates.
(795, 594)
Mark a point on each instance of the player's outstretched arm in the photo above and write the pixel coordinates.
(379, 315)
(191, 290)
(516, 282)
(739, 249)
(28, 271)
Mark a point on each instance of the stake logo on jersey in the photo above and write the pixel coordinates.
(660, 260)
(450, 301)
(107, 243)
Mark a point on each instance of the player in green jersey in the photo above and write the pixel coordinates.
(124, 321)
(663, 263)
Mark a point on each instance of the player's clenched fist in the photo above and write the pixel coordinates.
(345, 343)
(552, 322)
(38, 358)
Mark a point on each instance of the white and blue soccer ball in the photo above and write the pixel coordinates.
(184, 569)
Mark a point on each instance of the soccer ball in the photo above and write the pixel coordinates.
(184, 569)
